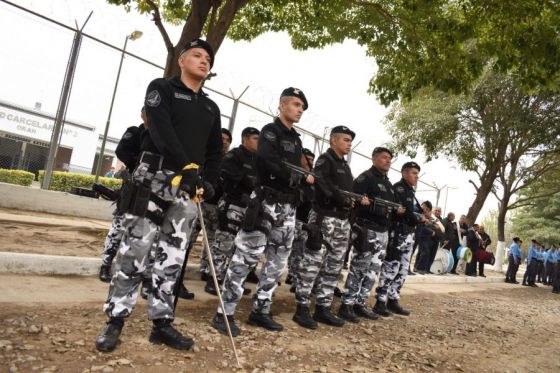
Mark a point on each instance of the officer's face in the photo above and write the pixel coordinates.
(411, 176)
(225, 143)
(437, 212)
(382, 161)
(195, 62)
(341, 143)
(291, 109)
(250, 142)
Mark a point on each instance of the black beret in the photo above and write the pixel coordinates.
(411, 164)
(248, 131)
(228, 133)
(343, 129)
(199, 43)
(381, 149)
(308, 152)
(295, 92)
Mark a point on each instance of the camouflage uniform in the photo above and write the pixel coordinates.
(365, 265)
(222, 247)
(134, 251)
(113, 239)
(249, 247)
(210, 215)
(395, 268)
(322, 267)
(296, 256)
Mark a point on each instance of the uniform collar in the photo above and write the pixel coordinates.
(406, 184)
(376, 172)
(279, 123)
(335, 156)
(176, 82)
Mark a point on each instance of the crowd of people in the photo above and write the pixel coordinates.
(266, 201)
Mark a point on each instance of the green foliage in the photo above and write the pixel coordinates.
(540, 217)
(64, 181)
(18, 177)
(415, 43)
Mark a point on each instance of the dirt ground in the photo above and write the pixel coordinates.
(49, 324)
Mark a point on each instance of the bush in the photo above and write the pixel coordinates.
(64, 181)
(18, 177)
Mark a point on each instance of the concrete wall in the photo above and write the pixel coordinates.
(33, 199)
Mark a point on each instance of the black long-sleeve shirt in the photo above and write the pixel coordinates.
(184, 127)
(238, 172)
(277, 143)
(374, 183)
(333, 175)
(128, 148)
(405, 196)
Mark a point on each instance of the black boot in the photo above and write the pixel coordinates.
(246, 291)
(184, 292)
(323, 314)
(219, 324)
(394, 306)
(164, 333)
(303, 318)
(252, 277)
(146, 289)
(337, 292)
(264, 320)
(361, 310)
(380, 308)
(105, 273)
(289, 279)
(210, 288)
(346, 312)
(107, 341)
(204, 276)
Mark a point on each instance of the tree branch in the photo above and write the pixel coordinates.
(159, 24)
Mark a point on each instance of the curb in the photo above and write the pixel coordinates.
(55, 265)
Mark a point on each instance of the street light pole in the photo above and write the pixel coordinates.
(135, 35)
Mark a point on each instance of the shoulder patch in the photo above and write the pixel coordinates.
(153, 98)
(399, 189)
(269, 135)
(229, 155)
(127, 135)
(361, 178)
(320, 161)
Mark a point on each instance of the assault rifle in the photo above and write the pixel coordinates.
(299, 170)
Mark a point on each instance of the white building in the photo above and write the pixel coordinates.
(25, 136)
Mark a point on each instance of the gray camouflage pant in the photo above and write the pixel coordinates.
(294, 260)
(323, 266)
(134, 251)
(222, 247)
(113, 239)
(365, 265)
(249, 246)
(210, 215)
(394, 270)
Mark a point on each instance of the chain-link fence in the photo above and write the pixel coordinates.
(24, 142)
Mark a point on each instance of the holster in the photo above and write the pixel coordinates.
(127, 194)
(314, 236)
(359, 241)
(222, 210)
(252, 214)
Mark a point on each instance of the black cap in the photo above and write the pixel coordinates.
(248, 131)
(428, 204)
(381, 149)
(411, 164)
(295, 92)
(343, 129)
(228, 133)
(199, 43)
(517, 239)
(308, 152)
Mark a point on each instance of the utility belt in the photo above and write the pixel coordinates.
(240, 201)
(137, 194)
(370, 224)
(333, 212)
(271, 195)
(224, 222)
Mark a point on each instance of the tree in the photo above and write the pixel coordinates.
(415, 43)
(539, 213)
(496, 130)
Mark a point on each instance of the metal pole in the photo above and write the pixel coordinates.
(102, 150)
(63, 105)
(231, 124)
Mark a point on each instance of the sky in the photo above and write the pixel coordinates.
(34, 54)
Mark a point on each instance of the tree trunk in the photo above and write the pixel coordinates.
(486, 184)
(502, 220)
(191, 30)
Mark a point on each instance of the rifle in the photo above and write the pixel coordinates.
(299, 170)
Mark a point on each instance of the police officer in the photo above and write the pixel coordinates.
(370, 236)
(394, 270)
(302, 214)
(183, 135)
(270, 217)
(514, 260)
(328, 222)
(127, 151)
(238, 175)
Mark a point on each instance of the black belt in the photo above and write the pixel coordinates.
(370, 224)
(274, 196)
(334, 212)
